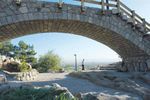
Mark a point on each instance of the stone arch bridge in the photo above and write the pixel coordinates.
(121, 31)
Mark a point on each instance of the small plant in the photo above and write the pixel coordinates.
(64, 96)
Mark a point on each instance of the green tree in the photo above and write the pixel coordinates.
(22, 51)
(49, 61)
(30, 55)
(23, 46)
(25, 52)
(6, 48)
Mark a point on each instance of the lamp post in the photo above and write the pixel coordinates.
(75, 62)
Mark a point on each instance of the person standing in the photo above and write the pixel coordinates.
(83, 65)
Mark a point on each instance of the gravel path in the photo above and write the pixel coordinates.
(74, 85)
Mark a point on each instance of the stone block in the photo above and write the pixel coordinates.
(130, 20)
(115, 11)
(124, 17)
(23, 9)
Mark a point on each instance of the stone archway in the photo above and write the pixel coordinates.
(36, 16)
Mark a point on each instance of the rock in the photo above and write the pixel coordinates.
(47, 86)
(10, 64)
(103, 96)
(89, 96)
(29, 66)
(3, 79)
(17, 61)
(56, 85)
(146, 96)
(4, 88)
(145, 78)
(53, 90)
(58, 90)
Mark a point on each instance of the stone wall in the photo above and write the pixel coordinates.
(135, 64)
(26, 76)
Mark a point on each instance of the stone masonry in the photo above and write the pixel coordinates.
(108, 28)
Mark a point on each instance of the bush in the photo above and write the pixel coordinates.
(68, 67)
(48, 62)
(33, 94)
(23, 67)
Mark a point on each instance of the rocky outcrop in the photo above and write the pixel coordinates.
(64, 90)
(145, 78)
(124, 82)
(10, 64)
(55, 91)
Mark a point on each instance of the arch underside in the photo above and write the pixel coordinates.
(119, 44)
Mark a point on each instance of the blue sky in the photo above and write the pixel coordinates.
(66, 45)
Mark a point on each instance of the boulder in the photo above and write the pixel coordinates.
(104, 96)
(10, 64)
(145, 78)
(146, 96)
(3, 79)
(88, 96)
(58, 90)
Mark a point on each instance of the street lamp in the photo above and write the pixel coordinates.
(75, 62)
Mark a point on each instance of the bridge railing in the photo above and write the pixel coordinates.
(134, 16)
(122, 9)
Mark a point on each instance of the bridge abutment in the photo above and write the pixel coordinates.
(135, 64)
